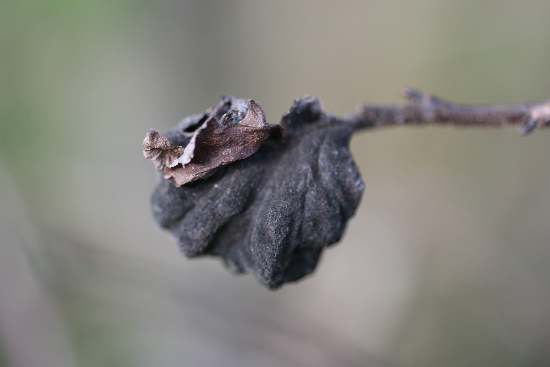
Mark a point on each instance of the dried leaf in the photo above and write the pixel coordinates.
(273, 213)
(159, 149)
(232, 130)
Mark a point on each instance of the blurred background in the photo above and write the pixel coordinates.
(447, 262)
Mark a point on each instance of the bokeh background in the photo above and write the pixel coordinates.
(447, 262)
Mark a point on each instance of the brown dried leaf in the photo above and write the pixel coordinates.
(224, 136)
(158, 149)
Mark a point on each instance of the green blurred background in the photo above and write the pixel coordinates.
(447, 262)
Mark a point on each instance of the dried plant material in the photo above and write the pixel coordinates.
(232, 130)
(158, 149)
(270, 203)
(273, 213)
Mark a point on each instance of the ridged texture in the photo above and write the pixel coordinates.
(273, 213)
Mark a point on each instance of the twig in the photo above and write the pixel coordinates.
(425, 109)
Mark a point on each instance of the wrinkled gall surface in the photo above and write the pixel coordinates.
(273, 203)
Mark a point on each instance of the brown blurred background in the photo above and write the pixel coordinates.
(447, 262)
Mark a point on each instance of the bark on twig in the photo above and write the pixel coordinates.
(425, 109)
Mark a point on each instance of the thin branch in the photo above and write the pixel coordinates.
(425, 109)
